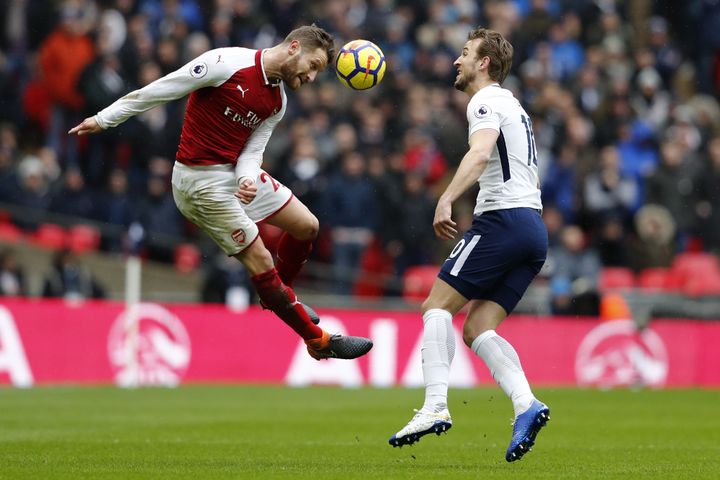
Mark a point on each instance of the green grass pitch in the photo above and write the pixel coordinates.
(230, 432)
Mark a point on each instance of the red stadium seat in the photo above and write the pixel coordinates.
(703, 285)
(695, 262)
(417, 282)
(689, 266)
(187, 257)
(10, 233)
(83, 238)
(616, 278)
(658, 279)
(375, 267)
(49, 235)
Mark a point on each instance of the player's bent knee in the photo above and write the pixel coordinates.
(309, 230)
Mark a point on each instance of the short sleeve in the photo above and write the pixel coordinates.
(482, 112)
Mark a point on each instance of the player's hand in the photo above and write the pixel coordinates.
(443, 222)
(88, 126)
(247, 191)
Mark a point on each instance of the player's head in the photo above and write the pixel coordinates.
(309, 50)
(485, 53)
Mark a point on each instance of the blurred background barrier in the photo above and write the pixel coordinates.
(91, 342)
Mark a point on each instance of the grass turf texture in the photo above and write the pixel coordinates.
(273, 432)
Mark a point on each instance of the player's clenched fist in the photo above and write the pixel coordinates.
(247, 191)
(88, 126)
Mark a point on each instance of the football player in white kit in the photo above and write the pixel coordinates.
(236, 97)
(495, 261)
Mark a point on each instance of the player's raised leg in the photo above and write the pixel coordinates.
(300, 229)
(504, 364)
(282, 300)
(438, 349)
(275, 205)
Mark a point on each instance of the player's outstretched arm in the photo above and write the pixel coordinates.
(198, 73)
(86, 127)
(471, 167)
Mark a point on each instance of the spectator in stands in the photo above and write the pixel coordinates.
(655, 243)
(561, 298)
(559, 185)
(63, 56)
(34, 188)
(675, 186)
(388, 178)
(638, 152)
(303, 173)
(423, 157)
(73, 198)
(352, 214)
(708, 206)
(247, 22)
(8, 157)
(609, 193)
(667, 55)
(101, 82)
(12, 279)
(159, 217)
(566, 52)
(651, 103)
(574, 263)
(116, 208)
(172, 17)
(70, 279)
(611, 242)
(416, 230)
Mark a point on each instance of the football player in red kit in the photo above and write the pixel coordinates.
(236, 97)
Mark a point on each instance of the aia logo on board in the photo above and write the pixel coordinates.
(238, 236)
(148, 345)
(616, 353)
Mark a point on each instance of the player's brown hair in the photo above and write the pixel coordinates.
(499, 50)
(313, 37)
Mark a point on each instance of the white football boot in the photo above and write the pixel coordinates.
(422, 423)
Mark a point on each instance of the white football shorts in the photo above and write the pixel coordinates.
(205, 195)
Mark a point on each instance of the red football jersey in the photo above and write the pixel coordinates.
(232, 110)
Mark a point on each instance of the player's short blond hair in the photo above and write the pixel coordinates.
(499, 50)
(313, 37)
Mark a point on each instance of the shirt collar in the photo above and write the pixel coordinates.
(261, 69)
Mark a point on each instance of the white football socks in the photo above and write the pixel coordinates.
(504, 364)
(438, 349)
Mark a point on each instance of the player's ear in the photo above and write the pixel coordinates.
(294, 47)
(484, 62)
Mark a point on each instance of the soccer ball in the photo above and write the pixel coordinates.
(360, 65)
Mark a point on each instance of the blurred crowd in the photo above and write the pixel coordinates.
(623, 98)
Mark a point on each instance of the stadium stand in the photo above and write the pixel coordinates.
(623, 98)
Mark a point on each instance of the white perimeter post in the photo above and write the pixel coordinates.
(133, 285)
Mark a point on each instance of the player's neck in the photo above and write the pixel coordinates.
(271, 62)
(479, 84)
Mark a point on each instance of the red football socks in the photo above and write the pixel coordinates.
(281, 299)
(291, 256)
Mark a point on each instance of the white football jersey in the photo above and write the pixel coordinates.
(511, 177)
